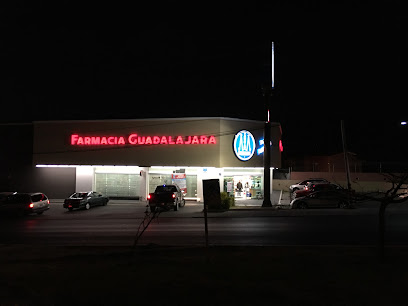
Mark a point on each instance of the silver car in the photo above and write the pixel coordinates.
(301, 185)
(23, 203)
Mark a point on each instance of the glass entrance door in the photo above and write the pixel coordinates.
(118, 185)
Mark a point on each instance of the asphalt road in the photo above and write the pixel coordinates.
(117, 224)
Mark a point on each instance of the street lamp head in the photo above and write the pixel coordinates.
(403, 123)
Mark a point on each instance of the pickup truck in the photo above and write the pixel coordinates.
(166, 197)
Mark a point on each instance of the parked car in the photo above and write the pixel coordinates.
(301, 185)
(23, 203)
(85, 200)
(320, 199)
(166, 197)
(312, 187)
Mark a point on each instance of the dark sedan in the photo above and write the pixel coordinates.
(320, 199)
(85, 200)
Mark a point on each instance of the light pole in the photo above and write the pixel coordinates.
(403, 149)
(267, 93)
(346, 161)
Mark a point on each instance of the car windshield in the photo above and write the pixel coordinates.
(38, 197)
(79, 195)
(166, 189)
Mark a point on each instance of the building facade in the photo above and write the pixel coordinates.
(129, 158)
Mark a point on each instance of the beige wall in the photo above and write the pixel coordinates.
(229, 128)
(52, 142)
(361, 182)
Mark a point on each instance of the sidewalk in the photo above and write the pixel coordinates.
(277, 199)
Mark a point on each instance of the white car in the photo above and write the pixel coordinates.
(301, 185)
(23, 203)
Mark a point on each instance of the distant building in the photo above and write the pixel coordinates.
(324, 163)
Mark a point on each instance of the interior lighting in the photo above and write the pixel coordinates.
(56, 166)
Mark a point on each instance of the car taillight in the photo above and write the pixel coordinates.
(48, 201)
(174, 196)
(149, 196)
(31, 205)
(306, 188)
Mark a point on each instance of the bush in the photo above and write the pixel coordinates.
(226, 200)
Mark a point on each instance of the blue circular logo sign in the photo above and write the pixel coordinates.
(244, 145)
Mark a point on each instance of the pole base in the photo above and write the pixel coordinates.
(266, 203)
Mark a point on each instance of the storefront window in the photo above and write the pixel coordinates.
(229, 185)
(244, 186)
(118, 185)
(158, 179)
(190, 184)
(256, 188)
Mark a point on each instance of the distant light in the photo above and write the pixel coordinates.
(273, 66)
(403, 123)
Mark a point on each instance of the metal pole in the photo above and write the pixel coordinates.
(206, 225)
(207, 251)
(267, 169)
(346, 162)
(267, 160)
(267, 92)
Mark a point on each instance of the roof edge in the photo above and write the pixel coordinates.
(149, 119)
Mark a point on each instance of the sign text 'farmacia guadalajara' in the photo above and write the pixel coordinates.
(134, 139)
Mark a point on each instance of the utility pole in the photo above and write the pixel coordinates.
(267, 153)
(267, 93)
(346, 161)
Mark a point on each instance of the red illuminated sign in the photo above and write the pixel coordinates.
(134, 139)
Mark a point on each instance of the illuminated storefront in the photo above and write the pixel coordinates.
(129, 158)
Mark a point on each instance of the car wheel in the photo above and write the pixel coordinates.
(343, 204)
(302, 205)
(183, 203)
(293, 193)
(40, 213)
(105, 203)
(70, 208)
(176, 206)
(87, 206)
(152, 208)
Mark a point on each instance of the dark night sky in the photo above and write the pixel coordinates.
(346, 60)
